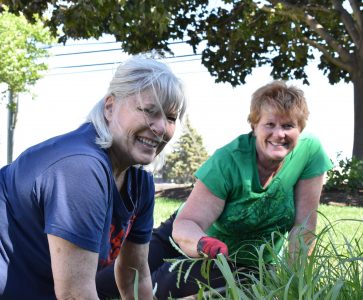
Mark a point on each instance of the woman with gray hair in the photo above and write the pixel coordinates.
(78, 202)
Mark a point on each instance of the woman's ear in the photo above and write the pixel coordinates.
(108, 107)
(253, 129)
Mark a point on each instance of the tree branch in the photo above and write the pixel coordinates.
(357, 14)
(320, 30)
(313, 24)
(347, 21)
(299, 13)
(345, 66)
(300, 8)
(285, 13)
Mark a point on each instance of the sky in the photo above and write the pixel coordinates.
(63, 98)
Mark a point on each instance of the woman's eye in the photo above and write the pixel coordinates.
(269, 125)
(171, 118)
(145, 110)
(288, 126)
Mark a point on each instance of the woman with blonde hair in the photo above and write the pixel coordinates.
(253, 190)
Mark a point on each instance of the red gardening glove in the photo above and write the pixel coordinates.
(209, 246)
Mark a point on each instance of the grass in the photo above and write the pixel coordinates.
(164, 207)
(333, 271)
(344, 219)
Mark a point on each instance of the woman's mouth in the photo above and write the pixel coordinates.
(278, 144)
(148, 142)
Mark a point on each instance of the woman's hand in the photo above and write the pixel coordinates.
(210, 247)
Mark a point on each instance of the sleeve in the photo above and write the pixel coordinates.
(318, 161)
(75, 194)
(144, 220)
(215, 173)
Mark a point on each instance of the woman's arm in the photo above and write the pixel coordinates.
(201, 209)
(73, 268)
(133, 257)
(307, 197)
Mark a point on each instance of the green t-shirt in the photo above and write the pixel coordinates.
(252, 214)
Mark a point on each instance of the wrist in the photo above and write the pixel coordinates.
(200, 244)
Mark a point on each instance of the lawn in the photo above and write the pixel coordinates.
(164, 207)
(347, 220)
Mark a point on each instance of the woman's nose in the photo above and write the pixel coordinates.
(158, 125)
(279, 131)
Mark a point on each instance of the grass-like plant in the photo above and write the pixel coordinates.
(333, 270)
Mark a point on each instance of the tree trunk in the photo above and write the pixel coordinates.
(12, 115)
(358, 115)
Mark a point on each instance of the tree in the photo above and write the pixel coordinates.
(235, 37)
(21, 51)
(186, 157)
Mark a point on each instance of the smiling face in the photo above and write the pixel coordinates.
(140, 129)
(276, 136)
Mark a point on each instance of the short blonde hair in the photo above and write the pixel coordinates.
(285, 100)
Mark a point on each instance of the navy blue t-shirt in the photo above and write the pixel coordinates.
(65, 187)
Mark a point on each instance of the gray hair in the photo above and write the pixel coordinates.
(134, 76)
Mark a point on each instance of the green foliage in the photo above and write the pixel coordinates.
(139, 25)
(186, 157)
(22, 49)
(332, 271)
(346, 175)
(240, 35)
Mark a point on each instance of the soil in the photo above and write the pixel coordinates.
(182, 192)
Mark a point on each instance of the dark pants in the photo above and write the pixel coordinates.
(160, 249)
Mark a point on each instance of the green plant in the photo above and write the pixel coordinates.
(346, 175)
(333, 271)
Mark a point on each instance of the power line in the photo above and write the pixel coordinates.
(105, 64)
(101, 43)
(102, 50)
(87, 52)
(110, 69)
(117, 62)
(88, 65)
(82, 44)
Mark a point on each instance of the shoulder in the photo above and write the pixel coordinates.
(307, 136)
(244, 143)
(308, 142)
(77, 147)
(227, 164)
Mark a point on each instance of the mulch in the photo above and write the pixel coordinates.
(182, 192)
(342, 199)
